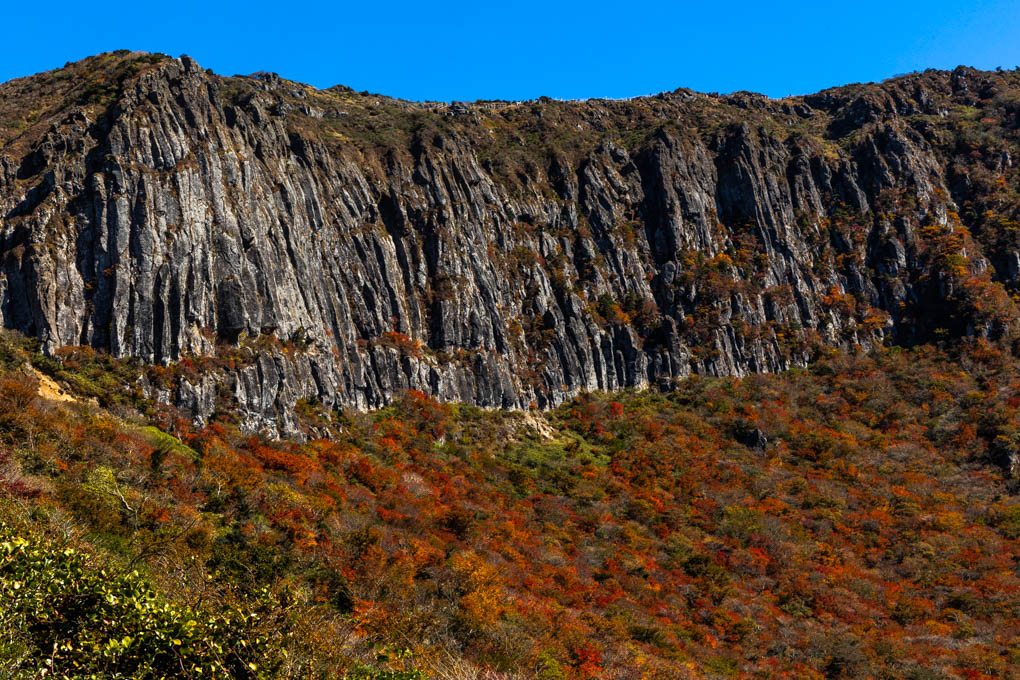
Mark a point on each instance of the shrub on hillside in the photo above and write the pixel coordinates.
(62, 618)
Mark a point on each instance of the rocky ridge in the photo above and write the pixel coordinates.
(344, 247)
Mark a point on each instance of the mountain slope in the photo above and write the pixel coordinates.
(346, 246)
(836, 522)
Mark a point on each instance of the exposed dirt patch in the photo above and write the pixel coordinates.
(49, 389)
(540, 424)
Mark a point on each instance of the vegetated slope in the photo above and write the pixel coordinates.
(496, 253)
(839, 521)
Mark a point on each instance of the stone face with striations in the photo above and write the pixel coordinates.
(501, 254)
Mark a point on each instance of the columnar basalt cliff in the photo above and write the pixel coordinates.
(346, 246)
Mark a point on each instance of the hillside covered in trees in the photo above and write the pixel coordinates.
(850, 520)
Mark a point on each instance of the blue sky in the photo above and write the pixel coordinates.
(477, 50)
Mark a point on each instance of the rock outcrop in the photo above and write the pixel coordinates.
(502, 254)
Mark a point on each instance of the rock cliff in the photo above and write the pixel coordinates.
(344, 246)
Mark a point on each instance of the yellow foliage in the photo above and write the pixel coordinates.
(483, 595)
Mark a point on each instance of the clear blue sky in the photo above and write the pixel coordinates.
(479, 50)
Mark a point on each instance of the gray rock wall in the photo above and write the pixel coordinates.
(178, 220)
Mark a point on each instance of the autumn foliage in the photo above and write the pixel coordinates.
(850, 520)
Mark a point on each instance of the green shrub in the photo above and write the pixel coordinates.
(63, 618)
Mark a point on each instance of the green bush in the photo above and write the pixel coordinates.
(62, 618)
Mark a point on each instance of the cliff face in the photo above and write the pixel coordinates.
(502, 254)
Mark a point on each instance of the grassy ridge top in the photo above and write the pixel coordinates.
(509, 133)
